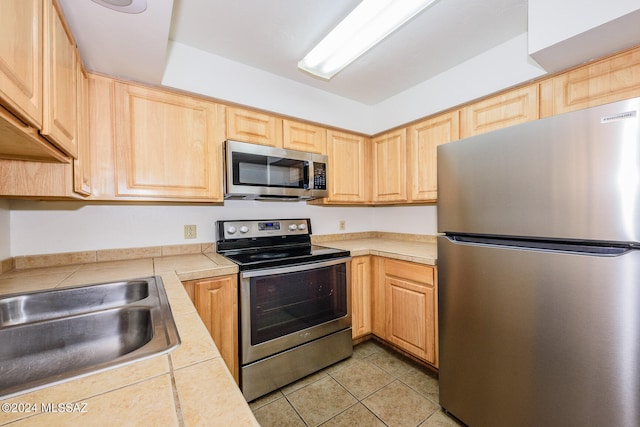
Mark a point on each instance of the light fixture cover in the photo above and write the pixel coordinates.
(368, 24)
(125, 6)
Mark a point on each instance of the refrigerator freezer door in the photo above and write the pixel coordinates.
(532, 338)
(571, 176)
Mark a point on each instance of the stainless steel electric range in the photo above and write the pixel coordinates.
(294, 301)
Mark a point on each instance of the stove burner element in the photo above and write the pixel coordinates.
(269, 255)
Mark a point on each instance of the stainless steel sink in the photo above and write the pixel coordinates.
(52, 336)
(36, 306)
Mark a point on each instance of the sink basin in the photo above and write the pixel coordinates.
(36, 306)
(52, 336)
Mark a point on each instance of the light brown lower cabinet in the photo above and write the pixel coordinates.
(404, 306)
(216, 301)
(360, 296)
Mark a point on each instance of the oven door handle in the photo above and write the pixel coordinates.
(293, 268)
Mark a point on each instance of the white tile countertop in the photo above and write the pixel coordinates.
(189, 386)
(415, 248)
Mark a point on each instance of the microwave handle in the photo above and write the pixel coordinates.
(307, 183)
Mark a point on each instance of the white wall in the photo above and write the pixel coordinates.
(504, 66)
(570, 32)
(406, 219)
(197, 71)
(52, 227)
(553, 21)
(5, 230)
(200, 72)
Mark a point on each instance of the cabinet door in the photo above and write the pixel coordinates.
(60, 115)
(361, 296)
(390, 167)
(500, 111)
(216, 301)
(304, 137)
(411, 308)
(608, 80)
(167, 145)
(378, 298)
(348, 167)
(254, 127)
(82, 165)
(21, 59)
(423, 140)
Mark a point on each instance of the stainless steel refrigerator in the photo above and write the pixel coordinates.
(539, 272)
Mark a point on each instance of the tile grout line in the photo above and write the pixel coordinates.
(396, 374)
(176, 396)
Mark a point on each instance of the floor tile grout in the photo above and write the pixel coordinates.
(396, 371)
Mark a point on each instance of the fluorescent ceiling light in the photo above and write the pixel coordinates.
(369, 23)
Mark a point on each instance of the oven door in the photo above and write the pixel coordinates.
(284, 307)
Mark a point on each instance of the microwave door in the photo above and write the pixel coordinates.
(249, 169)
(286, 173)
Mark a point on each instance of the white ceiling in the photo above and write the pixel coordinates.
(274, 35)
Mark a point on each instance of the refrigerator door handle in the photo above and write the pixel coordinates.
(578, 248)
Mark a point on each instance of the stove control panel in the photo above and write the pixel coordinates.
(263, 228)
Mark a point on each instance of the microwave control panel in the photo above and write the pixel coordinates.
(319, 176)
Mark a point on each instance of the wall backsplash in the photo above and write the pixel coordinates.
(5, 230)
(55, 227)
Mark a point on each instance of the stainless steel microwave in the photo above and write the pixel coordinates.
(260, 172)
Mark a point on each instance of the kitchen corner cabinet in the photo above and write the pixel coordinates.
(82, 165)
(21, 54)
(378, 298)
(409, 294)
(500, 111)
(607, 80)
(348, 168)
(423, 139)
(216, 301)
(389, 161)
(360, 296)
(42, 180)
(60, 115)
(37, 83)
(167, 145)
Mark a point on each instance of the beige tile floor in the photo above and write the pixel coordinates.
(375, 387)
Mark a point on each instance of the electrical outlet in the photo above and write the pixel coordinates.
(342, 225)
(190, 231)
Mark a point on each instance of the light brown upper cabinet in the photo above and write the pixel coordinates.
(60, 115)
(607, 80)
(261, 128)
(37, 83)
(390, 166)
(167, 145)
(304, 137)
(500, 111)
(254, 127)
(82, 165)
(423, 139)
(348, 168)
(21, 64)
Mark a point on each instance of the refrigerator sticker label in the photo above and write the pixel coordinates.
(620, 116)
